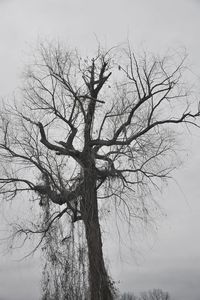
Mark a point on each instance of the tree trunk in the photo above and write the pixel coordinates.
(100, 285)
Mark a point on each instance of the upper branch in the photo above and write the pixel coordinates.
(95, 79)
(185, 118)
(67, 148)
(148, 100)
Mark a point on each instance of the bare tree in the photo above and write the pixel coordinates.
(128, 296)
(92, 138)
(156, 294)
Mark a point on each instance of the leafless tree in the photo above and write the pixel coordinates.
(156, 294)
(128, 296)
(93, 130)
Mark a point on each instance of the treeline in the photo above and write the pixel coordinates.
(155, 294)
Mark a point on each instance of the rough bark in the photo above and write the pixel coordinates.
(100, 285)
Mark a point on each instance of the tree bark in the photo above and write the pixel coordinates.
(100, 285)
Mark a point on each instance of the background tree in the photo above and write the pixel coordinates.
(128, 296)
(155, 294)
(91, 139)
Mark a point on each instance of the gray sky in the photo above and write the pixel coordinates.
(170, 257)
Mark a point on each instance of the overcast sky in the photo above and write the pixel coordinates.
(169, 257)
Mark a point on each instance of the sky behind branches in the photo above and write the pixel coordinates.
(170, 257)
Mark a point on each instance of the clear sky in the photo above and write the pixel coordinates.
(169, 257)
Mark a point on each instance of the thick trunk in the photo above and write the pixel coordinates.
(100, 287)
